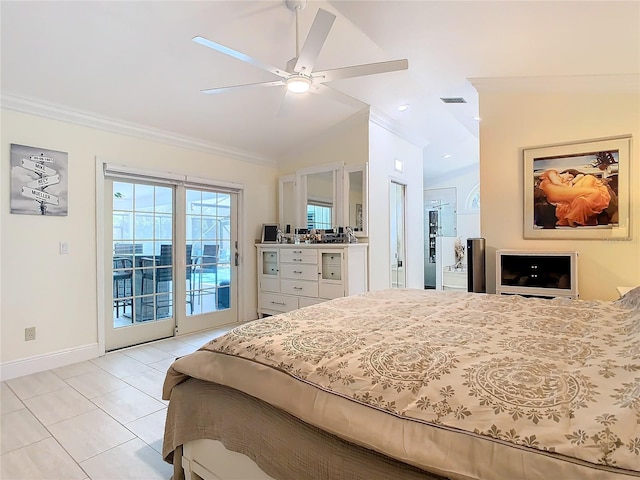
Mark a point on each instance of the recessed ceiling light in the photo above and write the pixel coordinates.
(402, 108)
(446, 155)
(476, 118)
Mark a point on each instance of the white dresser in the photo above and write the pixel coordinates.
(292, 276)
(454, 279)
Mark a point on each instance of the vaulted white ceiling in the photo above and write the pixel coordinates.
(134, 62)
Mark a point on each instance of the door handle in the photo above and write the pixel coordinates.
(399, 263)
(237, 259)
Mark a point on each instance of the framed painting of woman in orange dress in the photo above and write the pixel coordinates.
(577, 190)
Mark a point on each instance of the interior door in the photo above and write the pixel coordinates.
(397, 230)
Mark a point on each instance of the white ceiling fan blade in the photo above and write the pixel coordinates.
(210, 91)
(360, 70)
(333, 94)
(314, 42)
(240, 56)
(286, 105)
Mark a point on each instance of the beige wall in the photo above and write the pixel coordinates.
(57, 293)
(515, 118)
(346, 143)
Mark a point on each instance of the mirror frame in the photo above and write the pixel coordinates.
(281, 201)
(364, 168)
(340, 198)
(301, 182)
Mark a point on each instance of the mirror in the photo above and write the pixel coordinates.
(320, 211)
(356, 214)
(287, 203)
(320, 191)
(325, 197)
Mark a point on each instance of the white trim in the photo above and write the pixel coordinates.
(113, 170)
(41, 108)
(383, 121)
(48, 361)
(124, 171)
(191, 180)
(325, 167)
(100, 280)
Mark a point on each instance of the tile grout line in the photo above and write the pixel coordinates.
(214, 333)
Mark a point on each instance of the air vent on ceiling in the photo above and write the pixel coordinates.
(453, 100)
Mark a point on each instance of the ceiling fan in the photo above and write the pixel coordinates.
(299, 76)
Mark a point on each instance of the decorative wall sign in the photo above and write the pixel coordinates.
(578, 190)
(39, 181)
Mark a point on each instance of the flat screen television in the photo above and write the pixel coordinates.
(537, 273)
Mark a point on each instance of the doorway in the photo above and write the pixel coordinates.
(439, 224)
(170, 259)
(397, 242)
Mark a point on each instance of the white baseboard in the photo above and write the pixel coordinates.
(47, 361)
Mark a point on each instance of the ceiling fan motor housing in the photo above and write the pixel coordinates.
(296, 4)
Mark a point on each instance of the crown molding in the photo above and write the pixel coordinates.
(388, 124)
(64, 114)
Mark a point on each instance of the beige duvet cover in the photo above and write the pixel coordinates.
(459, 384)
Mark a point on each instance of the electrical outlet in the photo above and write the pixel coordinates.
(29, 333)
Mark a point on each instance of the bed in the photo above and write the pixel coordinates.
(417, 384)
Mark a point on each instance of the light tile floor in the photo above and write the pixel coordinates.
(100, 419)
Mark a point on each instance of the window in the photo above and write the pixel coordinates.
(318, 216)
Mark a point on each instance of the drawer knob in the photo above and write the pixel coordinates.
(297, 288)
(278, 303)
(296, 271)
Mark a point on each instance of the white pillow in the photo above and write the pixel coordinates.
(630, 299)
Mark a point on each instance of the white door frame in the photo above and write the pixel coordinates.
(101, 166)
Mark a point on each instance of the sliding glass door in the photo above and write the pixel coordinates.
(140, 244)
(170, 252)
(210, 232)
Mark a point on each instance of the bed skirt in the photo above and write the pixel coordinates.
(283, 446)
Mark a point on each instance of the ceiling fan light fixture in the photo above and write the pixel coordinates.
(298, 84)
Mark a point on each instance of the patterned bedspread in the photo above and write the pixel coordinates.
(559, 376)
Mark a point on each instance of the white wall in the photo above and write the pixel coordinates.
(464, 180)
(57, 293)
(384, 148)
(524, 114)
(359, 140)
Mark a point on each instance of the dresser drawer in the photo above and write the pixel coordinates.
(279, 303)
(295, 287)
(299, 255)
(304, 271)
